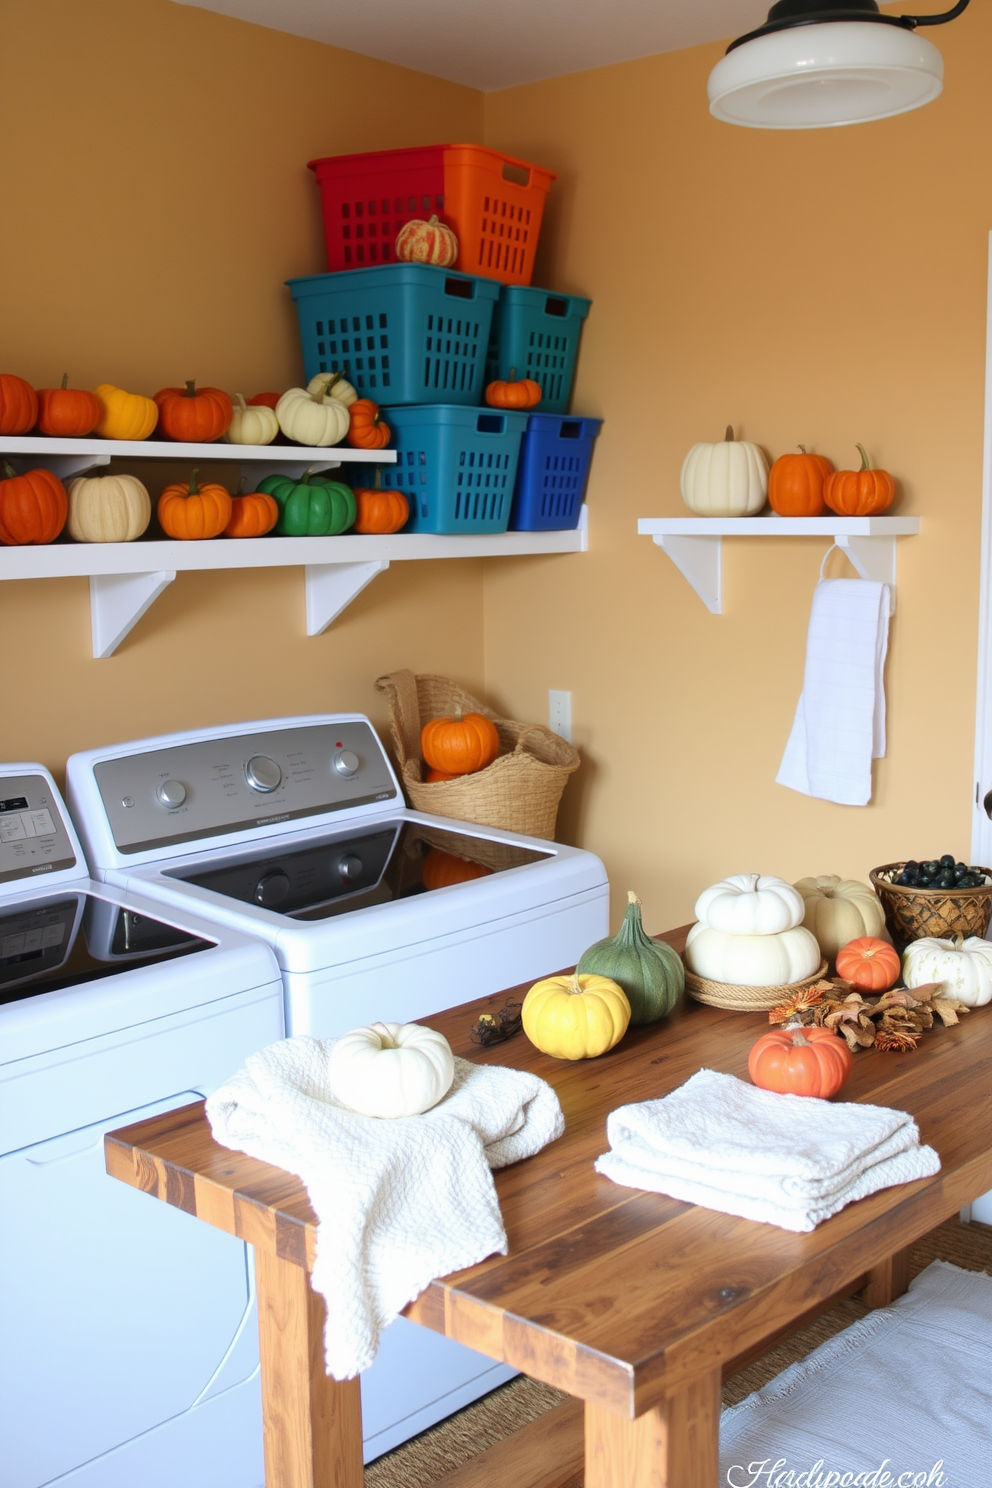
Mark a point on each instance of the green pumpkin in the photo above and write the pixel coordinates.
(649, 971)
(311, 505)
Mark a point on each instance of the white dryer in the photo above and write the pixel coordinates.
(295, 830)
(129, 1339)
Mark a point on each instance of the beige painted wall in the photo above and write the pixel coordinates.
(820, 287)
(156, 190)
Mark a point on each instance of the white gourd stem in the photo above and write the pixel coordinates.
(384, 1036)
(239, 399)
(752, 883)
(728, 438)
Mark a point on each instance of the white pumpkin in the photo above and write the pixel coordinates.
(312, 419)
(391, 1069)
(254, 424)
(107, 508)
(725, 480)
(751, 960)
(962, 967)
(750, 904)
(838, 910)
(333, 385)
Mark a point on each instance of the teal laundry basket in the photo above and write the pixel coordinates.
(457, 466)
(401, 333)
(536, 334)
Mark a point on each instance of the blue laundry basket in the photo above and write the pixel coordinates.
(456, 465)
(552, 473)
(401, 333)
(536, 334)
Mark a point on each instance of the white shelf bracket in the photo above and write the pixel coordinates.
(257, 470)
(700, 562)
(331, 587)
(874, 558)
(64, 466)
(117, 603)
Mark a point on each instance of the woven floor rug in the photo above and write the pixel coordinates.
(903, 1396)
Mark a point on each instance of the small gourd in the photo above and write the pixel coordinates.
(724, 480)
(868, 963)
(649, 971)
(859, 493)
(575, 1017)
(192, 415)
(254, 423)
(108, 508)
(33, 506)
(795, 484)
(191, 511)
(368, 429)
(311, 505)
(331, 385)
(963, 967)
(523, 394)
(800, 1061)
(838, 910)
(430, 242)
(461, 744)
(751, 960)
(67, 413)
(313, 419)
(124, 415)
(750, 904)
(391, 1069)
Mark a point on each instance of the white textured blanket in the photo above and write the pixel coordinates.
(398, 1203)
(787, 1160)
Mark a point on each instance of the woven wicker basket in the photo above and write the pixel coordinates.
(910, 914)
(746, 999)
(519, 791)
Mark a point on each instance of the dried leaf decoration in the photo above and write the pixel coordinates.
(894, 1021)
(801, 1003)
(496, 1029)
(895, 1043)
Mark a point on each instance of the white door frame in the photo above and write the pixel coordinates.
(981, 829)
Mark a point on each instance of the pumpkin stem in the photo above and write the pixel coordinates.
(384, 1036)
(9, 470)
(752, 883)
(194, 489)
(864, 457)
(190, 388)
(513, 375)
(239, 399)
(325, 391)
(574, 986)
(801, 448)
(65, 381)
(632, 898)
(728, 438)
(799, 1040)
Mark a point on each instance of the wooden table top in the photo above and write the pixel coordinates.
(616, 1296)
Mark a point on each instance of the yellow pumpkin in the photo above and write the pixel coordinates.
(108, 508)
(575, 1017)
(124, 415)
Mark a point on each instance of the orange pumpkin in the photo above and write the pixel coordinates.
(194, 415)
(378, 510)
(795, 484)
(859, 493)
(253, 514)
(426, 243)
(512, 394)
(67, 413)
(800, 1061)
(33, 507)
(18, 404)
(439, 869)
(459, 745)
(367, 430)
(869, 964)
(190, 512)
(433, 776)
(264, 400)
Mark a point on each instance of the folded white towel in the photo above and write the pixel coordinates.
(839, 727)
(398, 1203)
(788, 1160)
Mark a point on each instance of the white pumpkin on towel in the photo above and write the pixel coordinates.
(750, 904)
(751, 960)
(962, 967)
(391, 1069)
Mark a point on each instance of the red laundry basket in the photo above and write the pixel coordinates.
(493, 203)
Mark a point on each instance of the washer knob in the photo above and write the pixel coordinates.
(262, 773)
(345, 763)
(349, 867)
(272, 888)
(170, 794)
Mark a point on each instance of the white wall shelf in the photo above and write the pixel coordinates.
(127, 578)
(695, 544)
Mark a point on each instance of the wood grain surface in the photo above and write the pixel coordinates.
(627, 1300)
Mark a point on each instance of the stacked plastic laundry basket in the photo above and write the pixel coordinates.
(425, 342)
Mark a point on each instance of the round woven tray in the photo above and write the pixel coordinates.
(747, 999)
(910, 914)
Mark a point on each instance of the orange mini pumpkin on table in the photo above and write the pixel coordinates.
(367, 429)
(193, 415)
(800, 1061)
(67, 413)
(459, 745)
(859, 493)
(33, 507)
(868, 963)
(191, 512)
(525, 393)
(795, 484)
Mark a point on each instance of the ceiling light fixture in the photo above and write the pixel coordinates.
(816, 64)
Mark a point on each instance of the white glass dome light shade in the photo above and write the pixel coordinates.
(822, 76)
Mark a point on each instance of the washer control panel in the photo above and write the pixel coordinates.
(33, 838)
(210, 787)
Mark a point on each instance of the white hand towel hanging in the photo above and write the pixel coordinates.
(839, 726)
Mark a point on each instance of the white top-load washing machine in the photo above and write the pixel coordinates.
(295, 830)
(128, 1337)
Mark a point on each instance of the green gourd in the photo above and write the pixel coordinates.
(649, 971)
(311, 505)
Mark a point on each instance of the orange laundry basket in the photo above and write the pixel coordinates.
(493, 203)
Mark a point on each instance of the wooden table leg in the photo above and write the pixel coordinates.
(888, 1280)
(676, 1445)
(313, 1424)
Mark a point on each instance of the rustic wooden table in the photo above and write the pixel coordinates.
(638, 1306)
